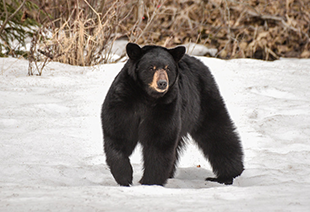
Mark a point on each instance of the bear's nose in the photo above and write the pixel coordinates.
(162, 84)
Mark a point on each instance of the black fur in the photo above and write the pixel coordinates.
(133, 112)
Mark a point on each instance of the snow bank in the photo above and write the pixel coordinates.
(51, 156)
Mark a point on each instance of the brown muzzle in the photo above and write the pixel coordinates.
(160, 81)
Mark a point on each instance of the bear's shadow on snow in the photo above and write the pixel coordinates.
(192, 177)
(195, 178)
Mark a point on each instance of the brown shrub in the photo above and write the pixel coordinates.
(84, 30)
(262, 29)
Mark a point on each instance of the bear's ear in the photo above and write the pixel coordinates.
(177, 53)
(133, 51)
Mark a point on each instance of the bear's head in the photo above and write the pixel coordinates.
(154, 67)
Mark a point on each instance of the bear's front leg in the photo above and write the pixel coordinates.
(159, 133)
(117, 158)
(158, 163)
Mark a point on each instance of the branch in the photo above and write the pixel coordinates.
(155, 12)
(254, 13)
(7, 19)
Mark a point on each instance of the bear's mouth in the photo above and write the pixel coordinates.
(160, 82)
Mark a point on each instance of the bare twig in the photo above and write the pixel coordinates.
(147, 26)
(31, 54)
(140, 11)
(7, 17)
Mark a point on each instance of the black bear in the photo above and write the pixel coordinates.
(159, 97)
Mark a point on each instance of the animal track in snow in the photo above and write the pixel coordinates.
(272, 92)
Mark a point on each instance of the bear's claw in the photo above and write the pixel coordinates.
(226, 181)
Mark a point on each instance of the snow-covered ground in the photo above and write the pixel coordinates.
(51, 156)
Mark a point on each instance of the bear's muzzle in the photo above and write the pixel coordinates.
(160, 82)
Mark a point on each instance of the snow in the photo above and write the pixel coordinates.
(199, 49)
(51, 156)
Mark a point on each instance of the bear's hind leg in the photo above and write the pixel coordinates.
(220, 143)
(223, 150)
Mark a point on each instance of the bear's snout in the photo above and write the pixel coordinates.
(160, 82)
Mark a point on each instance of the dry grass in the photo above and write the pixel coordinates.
(262, 29)
(84, 41)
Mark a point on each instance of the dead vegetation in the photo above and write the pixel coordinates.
(261, 29)
(81, 32)
(84, 37)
